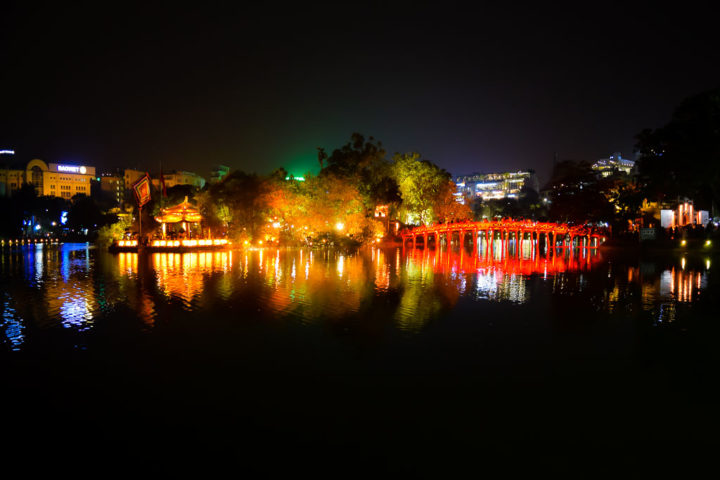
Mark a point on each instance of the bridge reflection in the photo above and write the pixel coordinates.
(523, 260)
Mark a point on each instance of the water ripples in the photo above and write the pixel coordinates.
(76, 286)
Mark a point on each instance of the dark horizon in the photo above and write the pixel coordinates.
(258, 88)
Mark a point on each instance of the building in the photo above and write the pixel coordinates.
(178, 177)
(684, 214)
(218, 173)
(49, 179)
(131, 176)
(113, 185)
(614, 164)
(489, 186)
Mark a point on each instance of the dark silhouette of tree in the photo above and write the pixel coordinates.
(682, 158)
(84, 214)
(576, 195)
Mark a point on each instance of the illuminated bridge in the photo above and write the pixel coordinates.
(507, 231)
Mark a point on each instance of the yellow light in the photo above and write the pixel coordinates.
(245, 242)
(156, 243)
(339, 226)
(683, 242)
(121, 243)
(260, 242)
(708, 243)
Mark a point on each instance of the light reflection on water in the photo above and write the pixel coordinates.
(76, 286)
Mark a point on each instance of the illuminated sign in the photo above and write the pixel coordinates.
(72, 169)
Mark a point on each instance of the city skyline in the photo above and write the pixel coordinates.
(257, 88)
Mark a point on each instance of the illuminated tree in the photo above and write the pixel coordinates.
(446, 208)
(422, 185)
(364, 164)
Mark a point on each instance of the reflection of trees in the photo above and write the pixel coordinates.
(315, 284)
(424, 294)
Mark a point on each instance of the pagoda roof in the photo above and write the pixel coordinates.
(182, 212)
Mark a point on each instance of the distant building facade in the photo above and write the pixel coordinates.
(49, 179)
(615, 164)
(178, 177)
(113, 185)
(489, 186)
(131, 176)
(218, 173)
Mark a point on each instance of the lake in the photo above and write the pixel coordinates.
(417, 362)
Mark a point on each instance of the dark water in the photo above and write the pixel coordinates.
(412, 362)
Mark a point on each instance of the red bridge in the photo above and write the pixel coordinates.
(552, 234)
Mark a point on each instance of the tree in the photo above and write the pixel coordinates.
(84, 214)
(239, 199)
(446, 208)
(422, 186)
(576, 195)
(364, 164)
(682, 158)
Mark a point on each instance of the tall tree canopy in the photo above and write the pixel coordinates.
(682, 158)
(426, 191)
(364, 163)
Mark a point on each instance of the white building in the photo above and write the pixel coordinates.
(614, 164)
(489, 186)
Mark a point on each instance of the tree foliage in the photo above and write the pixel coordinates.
(682, 158)
(425, 190)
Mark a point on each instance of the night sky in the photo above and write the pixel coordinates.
(482, 88)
